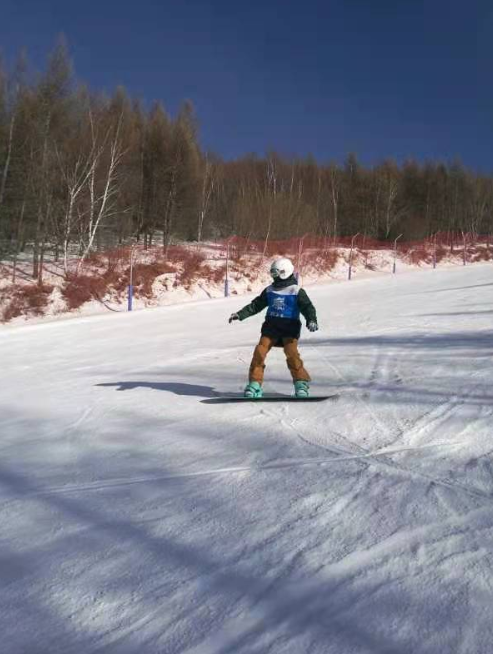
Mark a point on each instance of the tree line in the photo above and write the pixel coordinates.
(81, 171)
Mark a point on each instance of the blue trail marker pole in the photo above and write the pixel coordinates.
(130, 295)
(130, 282)
(226, 279)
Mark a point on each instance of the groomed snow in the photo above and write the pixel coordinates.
(137, 517)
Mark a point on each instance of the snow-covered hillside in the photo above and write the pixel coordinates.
(191, 272)
(139, 517)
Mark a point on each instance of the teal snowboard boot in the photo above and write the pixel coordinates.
(253, 390)
(301, 389)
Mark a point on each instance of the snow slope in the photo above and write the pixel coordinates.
(137, 516)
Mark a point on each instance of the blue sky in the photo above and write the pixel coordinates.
(382, 78)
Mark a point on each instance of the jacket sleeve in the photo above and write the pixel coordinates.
(306, 307)
(254, 307)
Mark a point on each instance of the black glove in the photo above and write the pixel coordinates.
(312, 326)
(233, 316)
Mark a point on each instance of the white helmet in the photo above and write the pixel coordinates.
(281, 269)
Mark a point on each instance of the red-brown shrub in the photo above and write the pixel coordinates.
(143, 276)
(325, 260)
(179, 253)
(79, 289)
(481, 254)
(94, 259)
(441, 253)
(364, 256)
(417, 255)
(27, 300)
(191, 268)
(214, 275)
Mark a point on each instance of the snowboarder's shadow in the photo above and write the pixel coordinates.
(172, 387)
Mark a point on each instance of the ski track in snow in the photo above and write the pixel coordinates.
(340, 457)
(136, 518)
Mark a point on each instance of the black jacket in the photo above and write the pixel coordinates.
(280, 328)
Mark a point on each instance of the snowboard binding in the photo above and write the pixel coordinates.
(301, 389)
(253, 390)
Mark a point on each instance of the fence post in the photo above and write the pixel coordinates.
(226, 279)
(395, 254)
(351, 257)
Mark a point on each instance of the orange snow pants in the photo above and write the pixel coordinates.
(293, 359)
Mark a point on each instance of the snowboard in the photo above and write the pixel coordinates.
(267, 398)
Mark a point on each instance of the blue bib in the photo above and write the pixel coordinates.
(283, 302)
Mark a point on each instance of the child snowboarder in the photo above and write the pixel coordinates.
(284, 300)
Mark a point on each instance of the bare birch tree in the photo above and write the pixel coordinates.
(480, 205)
(208, 182)
(101, 173)
(335, 188)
